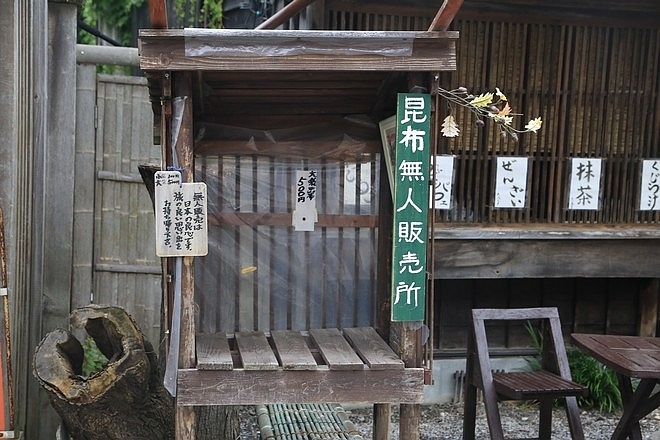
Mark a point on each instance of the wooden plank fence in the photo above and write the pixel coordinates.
(114, 245)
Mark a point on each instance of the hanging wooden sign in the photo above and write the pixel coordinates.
(411, 201)
(181, 221)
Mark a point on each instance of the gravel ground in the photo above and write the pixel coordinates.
(445, 422)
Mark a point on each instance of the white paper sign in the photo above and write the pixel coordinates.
(650, 191)
(305, 214)
(511, 182)
(584, 192)
(357, 184)
(181, 221)
(444, 181)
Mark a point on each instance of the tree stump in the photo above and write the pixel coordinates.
(126, 399)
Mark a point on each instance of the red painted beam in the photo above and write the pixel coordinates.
(445, 15)
(285, 14)
(158, 14)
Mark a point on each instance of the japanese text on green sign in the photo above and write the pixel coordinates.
(411, 200)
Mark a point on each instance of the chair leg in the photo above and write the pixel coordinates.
(469, 411)
(573, 417)
(493, 413)
(545, 419)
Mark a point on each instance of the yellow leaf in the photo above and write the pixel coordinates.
(534, 125)
(500, 94)
(482, 100)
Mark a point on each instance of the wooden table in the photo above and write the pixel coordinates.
(630, 357)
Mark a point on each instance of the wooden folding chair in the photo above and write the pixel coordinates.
(551, 382)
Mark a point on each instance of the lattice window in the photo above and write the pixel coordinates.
(597, 90)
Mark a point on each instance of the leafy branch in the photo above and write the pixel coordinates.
(487, 106)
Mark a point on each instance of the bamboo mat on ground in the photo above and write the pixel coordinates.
(305, 422)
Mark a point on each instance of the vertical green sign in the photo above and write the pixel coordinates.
(411, 201)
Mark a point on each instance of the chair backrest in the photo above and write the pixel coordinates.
(553, 350)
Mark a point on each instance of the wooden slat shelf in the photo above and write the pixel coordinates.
(549, 231)
(324, 365)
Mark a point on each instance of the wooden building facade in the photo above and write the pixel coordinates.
(591, 70)
(592, 77)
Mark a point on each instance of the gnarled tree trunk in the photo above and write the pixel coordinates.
(126, 399)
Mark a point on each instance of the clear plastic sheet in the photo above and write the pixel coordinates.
(343, 139)
(278, 43)
(260, 273)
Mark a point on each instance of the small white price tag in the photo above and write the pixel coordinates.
(181, 221)
(305, 214)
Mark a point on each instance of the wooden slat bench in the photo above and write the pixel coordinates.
(324, 421)
(323, 365)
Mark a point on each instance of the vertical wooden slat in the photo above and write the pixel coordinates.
(564, 79)
(227, 285)
(537, 200)
(260, 270)
(356, 250)
(373, 234)
(628, 151)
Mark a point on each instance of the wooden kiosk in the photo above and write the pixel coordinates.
(289, 305)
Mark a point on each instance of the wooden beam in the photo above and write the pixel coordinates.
(445, 15)
(284, 14)
(456, 259)
(540, 231)
(253, 219)
(326, 50)
(240, 387)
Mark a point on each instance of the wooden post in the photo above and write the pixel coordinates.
(185, 416)
(648, 305)
(382, 417)
(383, 411)
(405, 339)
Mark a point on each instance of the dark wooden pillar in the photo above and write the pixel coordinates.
(383, 411)
(648, 305)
